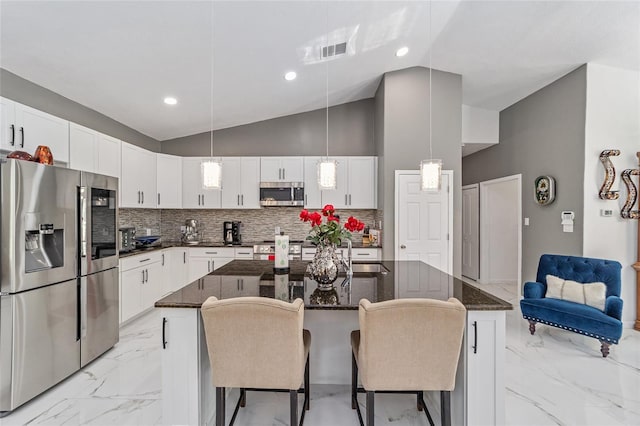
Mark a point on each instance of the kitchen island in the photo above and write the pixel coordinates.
(188, 395)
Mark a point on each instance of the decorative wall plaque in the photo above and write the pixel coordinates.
(545, 190)
(627, 211)
(609, 175)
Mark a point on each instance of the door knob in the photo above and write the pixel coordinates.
(403, 246)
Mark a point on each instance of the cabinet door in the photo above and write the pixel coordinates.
(250, 183)
(199, 267)
(108, 161)
(292, 169)
(363, 288)
(169, 181)
(83, 148)
(485, 353)
(191, 183)
(312, 194)
(362, 183)
(338, 197)
(219, 262)
(230, 287)
(147, 174)
(8, 130)
(131, 295)
(179, 276)
(131, 171)
(231, 182)
(152, 289)
(250, 286)
(35, 128)
(270, 169)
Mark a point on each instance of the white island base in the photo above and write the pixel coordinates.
(188, 396)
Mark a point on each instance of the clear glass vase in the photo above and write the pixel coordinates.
(324, 267)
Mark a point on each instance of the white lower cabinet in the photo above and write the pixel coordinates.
(237, 287)
(484, 355)
(357, 254)
(203, 260)
(141, 283)
(178, 275)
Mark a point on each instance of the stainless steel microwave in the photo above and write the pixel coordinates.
(282, 193)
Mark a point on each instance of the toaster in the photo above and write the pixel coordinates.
(127, 239)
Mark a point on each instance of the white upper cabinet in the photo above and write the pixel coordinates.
(312, 193)
(356, 184)
(282, 169)
(24, 128)
(93, 151)
(138, 180)
(109, 160)
(193, 195)
(241, 183)
(83, 147)
(169, 181)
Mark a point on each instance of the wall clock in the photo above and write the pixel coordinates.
(545, 190)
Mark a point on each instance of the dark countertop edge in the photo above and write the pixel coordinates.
(474, 308)
(169, 245)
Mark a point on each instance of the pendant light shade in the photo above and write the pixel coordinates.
(430, 175)
(327, 171)
(211, 173)
(431, 169)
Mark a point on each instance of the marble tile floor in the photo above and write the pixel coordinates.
(553, 378)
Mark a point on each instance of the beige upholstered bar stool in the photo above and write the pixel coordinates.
(257, 343)
(407, 345)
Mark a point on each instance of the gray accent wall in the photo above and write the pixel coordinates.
(350, 133)
(25, 92)
(403, 102)
(543, 134)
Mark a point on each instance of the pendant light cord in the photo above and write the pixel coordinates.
(212, 49)
(327, 79)
(430, 87)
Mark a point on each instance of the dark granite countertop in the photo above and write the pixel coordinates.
(395, 280)
(308, 244)
(170, 244)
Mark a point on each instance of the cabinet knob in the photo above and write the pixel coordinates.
(403, 246)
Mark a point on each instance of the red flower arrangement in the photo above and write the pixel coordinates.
(330, 232)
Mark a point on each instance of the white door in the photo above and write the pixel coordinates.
(8, 131)
(169, 181)
(471, 231)
(34, 127)
(423, 221)
(83, 148)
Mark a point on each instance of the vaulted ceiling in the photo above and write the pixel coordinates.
(123, 58)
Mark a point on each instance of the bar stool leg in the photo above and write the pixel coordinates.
(445, 408)
(220, 406)
(419, 399)
(307, 389)
(293, 401)
(370, 408)
(354, 382)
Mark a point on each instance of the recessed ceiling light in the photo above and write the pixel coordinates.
(291, 75)
(170, 101)
(402, 51)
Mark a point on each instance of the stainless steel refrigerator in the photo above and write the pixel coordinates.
(58, 275)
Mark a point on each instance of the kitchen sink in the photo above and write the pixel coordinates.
(372, 268)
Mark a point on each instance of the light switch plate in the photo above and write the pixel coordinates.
(526, 221)
(606, 212)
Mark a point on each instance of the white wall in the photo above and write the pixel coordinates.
(480, 125)
(612, 122)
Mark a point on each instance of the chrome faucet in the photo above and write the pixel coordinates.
(347, 264)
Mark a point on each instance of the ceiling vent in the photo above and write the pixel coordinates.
(334, 50)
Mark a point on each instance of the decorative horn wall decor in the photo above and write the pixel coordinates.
(627, 211)
(636, 266)
(609, 175)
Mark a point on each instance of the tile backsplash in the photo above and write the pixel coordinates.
(257, 225)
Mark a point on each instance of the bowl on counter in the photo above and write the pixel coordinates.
(146, 241)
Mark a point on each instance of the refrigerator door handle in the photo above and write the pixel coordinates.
(83, 307)
(83, 221)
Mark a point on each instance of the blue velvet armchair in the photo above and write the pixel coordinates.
(606, 326)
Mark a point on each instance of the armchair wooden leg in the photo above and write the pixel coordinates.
(370, 408)
(604, 348)
(445, 408)
(532, 327)
(354, 382)
(307, 385)
(220, 406)
(293, 401)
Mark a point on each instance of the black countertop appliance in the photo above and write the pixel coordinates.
(232, 233)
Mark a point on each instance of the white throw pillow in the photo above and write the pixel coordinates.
(592, 294)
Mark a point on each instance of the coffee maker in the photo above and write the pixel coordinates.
(231, 233)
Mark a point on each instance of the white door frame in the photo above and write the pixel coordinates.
(472, 186)
(449, 219)
(484, 267)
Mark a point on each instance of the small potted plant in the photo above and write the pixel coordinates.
(327, 233)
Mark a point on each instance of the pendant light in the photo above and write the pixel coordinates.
(327, 168)
(211, 168)
(431, 169)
